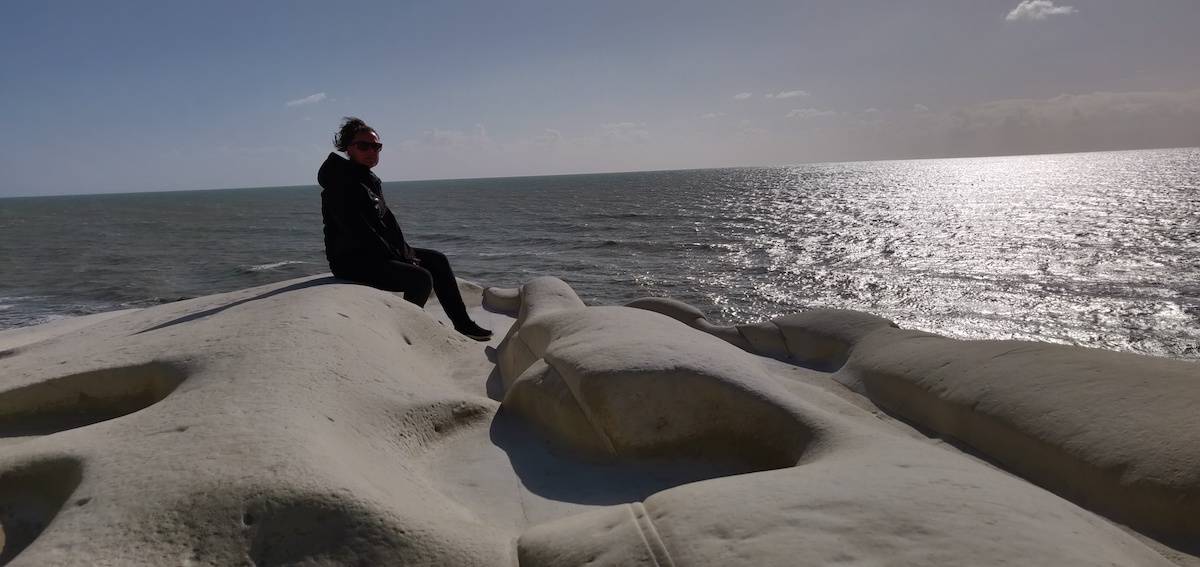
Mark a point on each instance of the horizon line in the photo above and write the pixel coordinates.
(618, 172)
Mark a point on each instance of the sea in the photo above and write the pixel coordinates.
(1093, 249)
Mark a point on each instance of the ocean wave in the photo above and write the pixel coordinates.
(9, 301)
(272, 266)
(30, 320)
(619, 243)
(519, 254)
(440, 237)
(628, 215)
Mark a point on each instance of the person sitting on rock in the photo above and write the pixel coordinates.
(363, 241)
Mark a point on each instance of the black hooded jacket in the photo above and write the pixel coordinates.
(359, 228)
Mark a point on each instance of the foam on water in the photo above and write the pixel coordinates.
(273, 265)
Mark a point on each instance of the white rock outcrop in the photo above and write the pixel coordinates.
(1115, 432)
(316, 422)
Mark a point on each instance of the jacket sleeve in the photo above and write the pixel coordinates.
(350, 210)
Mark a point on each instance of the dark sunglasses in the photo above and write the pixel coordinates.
(364, 146)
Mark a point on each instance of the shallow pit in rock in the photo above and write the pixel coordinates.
(77, 400)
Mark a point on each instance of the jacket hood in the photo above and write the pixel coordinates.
(337, 169)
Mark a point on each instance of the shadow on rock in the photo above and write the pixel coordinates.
(556, 475)
(210, 312)
(30, 497)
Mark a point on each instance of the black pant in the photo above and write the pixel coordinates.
(431, 272)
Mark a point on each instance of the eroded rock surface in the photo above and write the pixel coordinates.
(271, 426)
(856, 492)
(1115, 432)
(318, 422)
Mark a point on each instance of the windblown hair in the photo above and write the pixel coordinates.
(350, 128)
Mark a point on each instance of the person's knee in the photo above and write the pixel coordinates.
(432, 257)
(425, 279)
(422, 282)
(418, 286)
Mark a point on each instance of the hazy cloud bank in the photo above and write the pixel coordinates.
(1065, 123)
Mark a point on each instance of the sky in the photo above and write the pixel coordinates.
(171, 95)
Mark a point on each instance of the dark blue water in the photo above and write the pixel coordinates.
(1097, 249)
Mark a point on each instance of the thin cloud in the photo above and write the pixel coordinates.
(711, 115)
(807, 113)
(787, 94)
(548, 137)
(871, 117)
(920, 108)
(625, 132)
(748, 132)
(742, 96)
(1038, 10)
(310, 99)
(457, 139)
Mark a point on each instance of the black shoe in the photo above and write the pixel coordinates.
(474, 331)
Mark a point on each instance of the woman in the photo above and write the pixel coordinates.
(363, 241)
